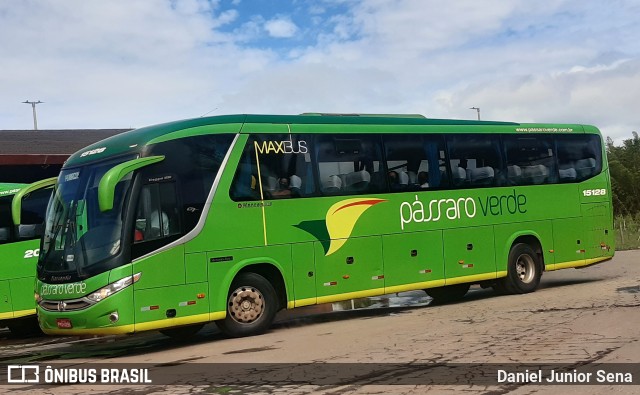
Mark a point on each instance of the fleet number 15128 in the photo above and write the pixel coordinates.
(594, 192)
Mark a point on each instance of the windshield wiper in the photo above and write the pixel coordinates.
(52, 239)
(70, 237)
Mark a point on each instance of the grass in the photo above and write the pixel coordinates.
(627, 230)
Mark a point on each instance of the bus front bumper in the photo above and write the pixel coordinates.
(111, 316)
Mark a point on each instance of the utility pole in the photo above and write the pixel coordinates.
(477, 110)
(33, 106)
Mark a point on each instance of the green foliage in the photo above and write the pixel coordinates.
(627, 230)
(624, 167)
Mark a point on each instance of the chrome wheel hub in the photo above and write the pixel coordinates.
(246, 304)
(525, 268)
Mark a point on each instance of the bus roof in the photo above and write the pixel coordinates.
(133, 141)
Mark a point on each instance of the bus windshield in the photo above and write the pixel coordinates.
(77, 234)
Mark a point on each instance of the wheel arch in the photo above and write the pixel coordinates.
(273, 274)
(263, 266)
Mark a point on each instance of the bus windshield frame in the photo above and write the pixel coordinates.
(80, 240)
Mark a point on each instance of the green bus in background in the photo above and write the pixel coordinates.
(19, 250)
(232, 218)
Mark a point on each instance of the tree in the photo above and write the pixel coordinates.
(624, 167)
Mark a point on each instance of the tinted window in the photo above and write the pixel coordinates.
(474, 160)
(6, 223)
(579, 157)
(284, 171)
(192, 163)
(361, 163)
(530, 159)
(415, 162)
(32, 216)
(350, 164)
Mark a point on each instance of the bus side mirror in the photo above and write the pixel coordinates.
(108, 182)
(4, 234)
(29, 231)
(16, 202)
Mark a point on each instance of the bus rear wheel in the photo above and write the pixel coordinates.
(448, 294)
(252, 304)
(523, 271)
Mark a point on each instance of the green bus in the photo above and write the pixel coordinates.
(232, 218)
(19, 248)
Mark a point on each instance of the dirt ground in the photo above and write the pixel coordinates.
(580, 320)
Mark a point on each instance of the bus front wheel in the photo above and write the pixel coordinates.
(523, 270)
(252, 304)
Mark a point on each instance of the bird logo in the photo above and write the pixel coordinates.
(342, 217)
(339, 222)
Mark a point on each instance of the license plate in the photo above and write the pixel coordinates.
(64, 323)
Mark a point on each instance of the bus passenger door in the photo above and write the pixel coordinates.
(469, 254)
(163, 295)
(157, 224)
(355, 268)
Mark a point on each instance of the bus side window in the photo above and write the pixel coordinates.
(405, 158)
(157, 212)
(530, 160)
(5, 219)
(413, 162)
(579, 157)
(350, 165)
(284, 173)
(34, 207)
(475, 160)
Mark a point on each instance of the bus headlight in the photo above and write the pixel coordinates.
(114, 287)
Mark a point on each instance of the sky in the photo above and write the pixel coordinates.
(133, 63)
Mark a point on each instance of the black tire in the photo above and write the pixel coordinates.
(523, 270)
(25, 327)
(448, 294)
(252, 304)
(182, 332)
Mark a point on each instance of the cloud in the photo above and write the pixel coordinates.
(281, 27)
(314, 87)
(111, 64)
(600, 95)
(133, 63)
(551, 62)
